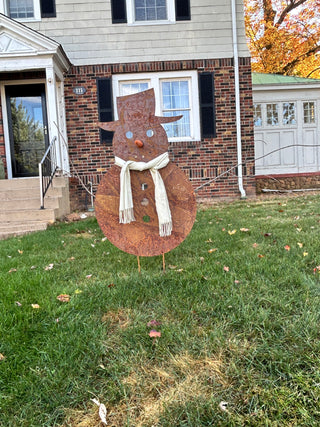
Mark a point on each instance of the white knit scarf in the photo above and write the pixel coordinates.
(126, 214)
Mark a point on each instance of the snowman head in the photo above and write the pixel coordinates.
(138, 134)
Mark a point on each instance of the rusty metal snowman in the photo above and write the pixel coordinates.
(144, 204)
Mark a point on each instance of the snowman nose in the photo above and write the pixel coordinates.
(139, 143)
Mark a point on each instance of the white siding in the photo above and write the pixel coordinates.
(84, 29)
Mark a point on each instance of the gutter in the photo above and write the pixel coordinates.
(237, 96)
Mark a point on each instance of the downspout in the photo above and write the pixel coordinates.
(237, 96)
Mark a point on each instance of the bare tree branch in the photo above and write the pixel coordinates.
(292, 5)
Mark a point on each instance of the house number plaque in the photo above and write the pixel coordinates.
(79, 90)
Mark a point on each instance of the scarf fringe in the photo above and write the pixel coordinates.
(165, 229)
(126, 216)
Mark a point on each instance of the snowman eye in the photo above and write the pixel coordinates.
(150, 133)
(129, 135)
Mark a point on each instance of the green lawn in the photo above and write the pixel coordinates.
(238, 310)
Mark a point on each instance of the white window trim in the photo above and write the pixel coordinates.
(36, 8)
(154, 80)
(170, 11)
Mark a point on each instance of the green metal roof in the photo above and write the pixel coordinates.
(278, 79)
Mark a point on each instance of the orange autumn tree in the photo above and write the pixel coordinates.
(284, 36)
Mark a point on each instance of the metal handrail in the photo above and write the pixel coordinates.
(47, 169)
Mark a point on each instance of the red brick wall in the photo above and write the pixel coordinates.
(202, 161)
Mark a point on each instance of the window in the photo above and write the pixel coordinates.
(176, 94)
(150, 10)
(309, 113)
(28, 10)
(289, 113)
(21, 9)
(272, 114)
(143, 12)
(257, 114)
(24, 10)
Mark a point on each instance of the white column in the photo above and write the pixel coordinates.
(52, 110)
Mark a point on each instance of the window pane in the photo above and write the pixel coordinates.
(272, 114)
(21, 9)
(175, 95)
(150, 10)
(180, 128)
(309, 112)
(131, 88)
(289, 113)
(257, 115)
(175, 102)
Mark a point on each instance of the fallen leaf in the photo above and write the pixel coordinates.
(179, 270)
(153, 323)
(88, 276)
(210, 251)
(317, 268)
(232, 232)
(267, 234)
(305, 253)
(18, 303)
(299, 229)
(209, 241)
(35, 306)
(20, 252)
(201, 259)
(300, 244)
(287, 248)
(260, 256)
(154, 334)
(111, 285)
(2, 357)
(104, 239)
(49, 267)
(63, 298)
(226, 268)
(78, 291)
(172, 267)
(245, 230)
(92, 245)
(13, 270)
(255, 245)
(33, 267)
(72, 258)
(237, 282)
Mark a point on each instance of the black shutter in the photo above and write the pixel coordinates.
(207, 105)
(105, 107)
(118, 11)
(48, 8)
(183, 10)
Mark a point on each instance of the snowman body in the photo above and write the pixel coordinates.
(140, 137)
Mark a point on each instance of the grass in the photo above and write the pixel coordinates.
(239, 313)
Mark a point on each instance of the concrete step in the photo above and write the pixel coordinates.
(20, 211)
(28, 215)
(32, 193)
(11, 230)
(18, 183)
(28, 203)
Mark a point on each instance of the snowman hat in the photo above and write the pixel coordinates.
(138, 108)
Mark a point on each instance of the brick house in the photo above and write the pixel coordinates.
(63, 63)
